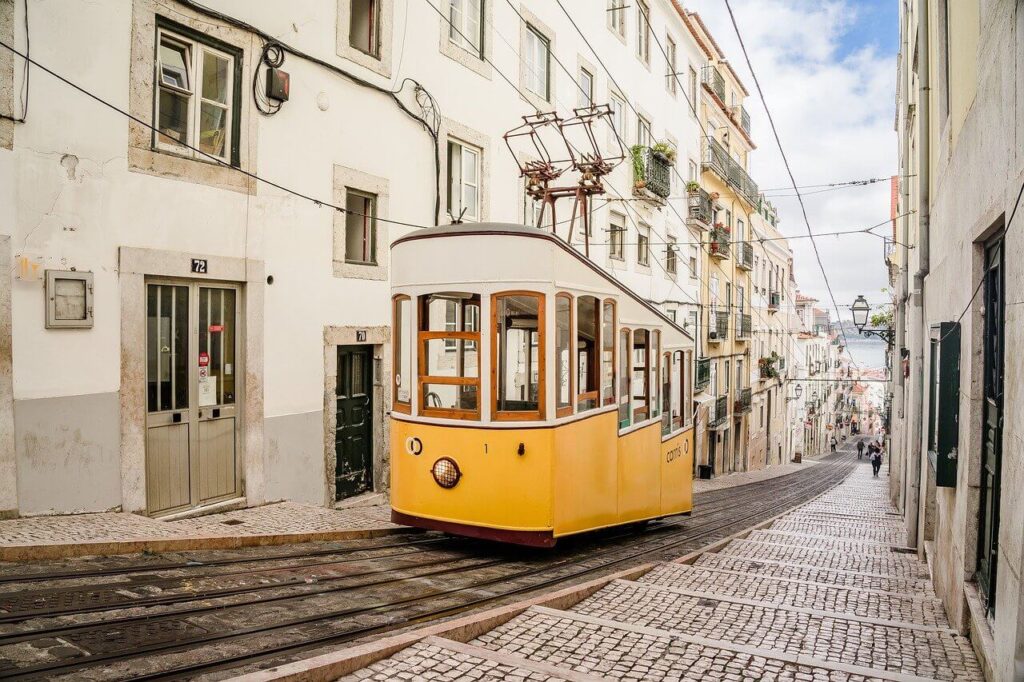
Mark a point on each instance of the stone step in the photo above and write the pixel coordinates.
(872, 533)
(833, 542)
(814, 574)
(925, 610)
(899, 566)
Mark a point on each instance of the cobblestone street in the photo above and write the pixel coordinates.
(824, 593)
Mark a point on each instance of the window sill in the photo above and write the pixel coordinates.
(166, 164)
(461, 55)
(377, 273)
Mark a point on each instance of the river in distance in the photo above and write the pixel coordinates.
(866, 353)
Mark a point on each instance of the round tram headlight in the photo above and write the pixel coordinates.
(446, 472)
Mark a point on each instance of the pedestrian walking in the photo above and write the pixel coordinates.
(834, 443)
(860, 449)
(876, 462)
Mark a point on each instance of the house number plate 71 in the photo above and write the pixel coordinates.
(199, 265)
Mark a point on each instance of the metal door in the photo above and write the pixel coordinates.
(353, 437)
(992, 425)
(192, 419)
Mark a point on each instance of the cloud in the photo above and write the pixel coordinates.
(831, 90)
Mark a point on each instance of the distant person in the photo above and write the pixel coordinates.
(834, 443)
(860, 449)
(876, 461)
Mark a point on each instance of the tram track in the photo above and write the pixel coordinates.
(755, 501)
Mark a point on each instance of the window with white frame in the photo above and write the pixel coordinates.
(643, 132)
(537, 62)
(643, 31)
(196, 96)
(364, 26)
(616, 236)
(670, 65)
(618, 107)
(617, 17)
(360, 228)
(643, 244)
(670, 255)
(692, 174)
(465, 27)
(586, 88)
(463, 181)
(692, 82)
(694, 262)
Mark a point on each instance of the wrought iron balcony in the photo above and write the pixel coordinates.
(774, 300)
(652, 171)
(703, 374)
(716, 158)
(719, 414)
(744, 326)
(743, 402)
(746, 256)
(719, 245)
(718, 330)
(712, 78)
(701, 208)
(770, 366)
(742, 117)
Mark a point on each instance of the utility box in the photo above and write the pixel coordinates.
(944, 402)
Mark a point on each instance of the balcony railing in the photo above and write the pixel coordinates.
(652, 171)
(719, 245)
(701, 207)
(702, 376)
(718, 330)
(770, 366)
(712, 78)
(746, 254)
(716, 158)
(742, 117)
(719, 414)
(744, 326)
(774, 301)
(743, 402)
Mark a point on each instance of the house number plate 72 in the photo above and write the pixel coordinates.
(199, 265)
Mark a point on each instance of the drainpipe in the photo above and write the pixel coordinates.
(918, 315)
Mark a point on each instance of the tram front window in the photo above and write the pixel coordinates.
(519, 350)
(449, 340)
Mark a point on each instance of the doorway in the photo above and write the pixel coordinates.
(992, 424)
(353, 435)
(192, 418)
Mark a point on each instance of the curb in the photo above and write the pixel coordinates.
(158, 545)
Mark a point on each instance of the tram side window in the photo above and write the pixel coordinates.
(402, 365)
(449, 363)
(666, 394)
(588, 311)
(687, 386)
(625, 373)
(563, 355)
(518, 356)
(641, 375)
(677, 401)
(653, 385)
(608, 354)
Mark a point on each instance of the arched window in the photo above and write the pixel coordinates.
(518, 355)
(625, 376)
(641, 381)
(564, 389)
(401, 340)
(608, 353)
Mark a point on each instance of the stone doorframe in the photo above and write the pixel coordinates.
(134, 265)
(380, 339)
(8, 460)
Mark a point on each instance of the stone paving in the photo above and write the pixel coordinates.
(745, 477)
(826, 592)
(110, 529)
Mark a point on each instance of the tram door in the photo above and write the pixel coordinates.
(192, 415)
(353, 438)
(992, 426)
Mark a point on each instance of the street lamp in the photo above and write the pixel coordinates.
(861, 308)
(797, 392)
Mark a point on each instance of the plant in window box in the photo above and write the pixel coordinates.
(665, 151)
(719, 235)
(692, 187)
(636, 153)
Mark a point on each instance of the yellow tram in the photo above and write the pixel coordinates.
(534, 396)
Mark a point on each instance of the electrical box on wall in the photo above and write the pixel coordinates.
(278, 84)
(68, 299)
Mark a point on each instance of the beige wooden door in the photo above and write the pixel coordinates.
(192, 423)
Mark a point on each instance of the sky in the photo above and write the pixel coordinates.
(828, 72)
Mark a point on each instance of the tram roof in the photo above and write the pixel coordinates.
(518, 230)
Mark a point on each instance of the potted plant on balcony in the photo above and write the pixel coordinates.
(692, 187)
(665, 151)
(636, 153)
